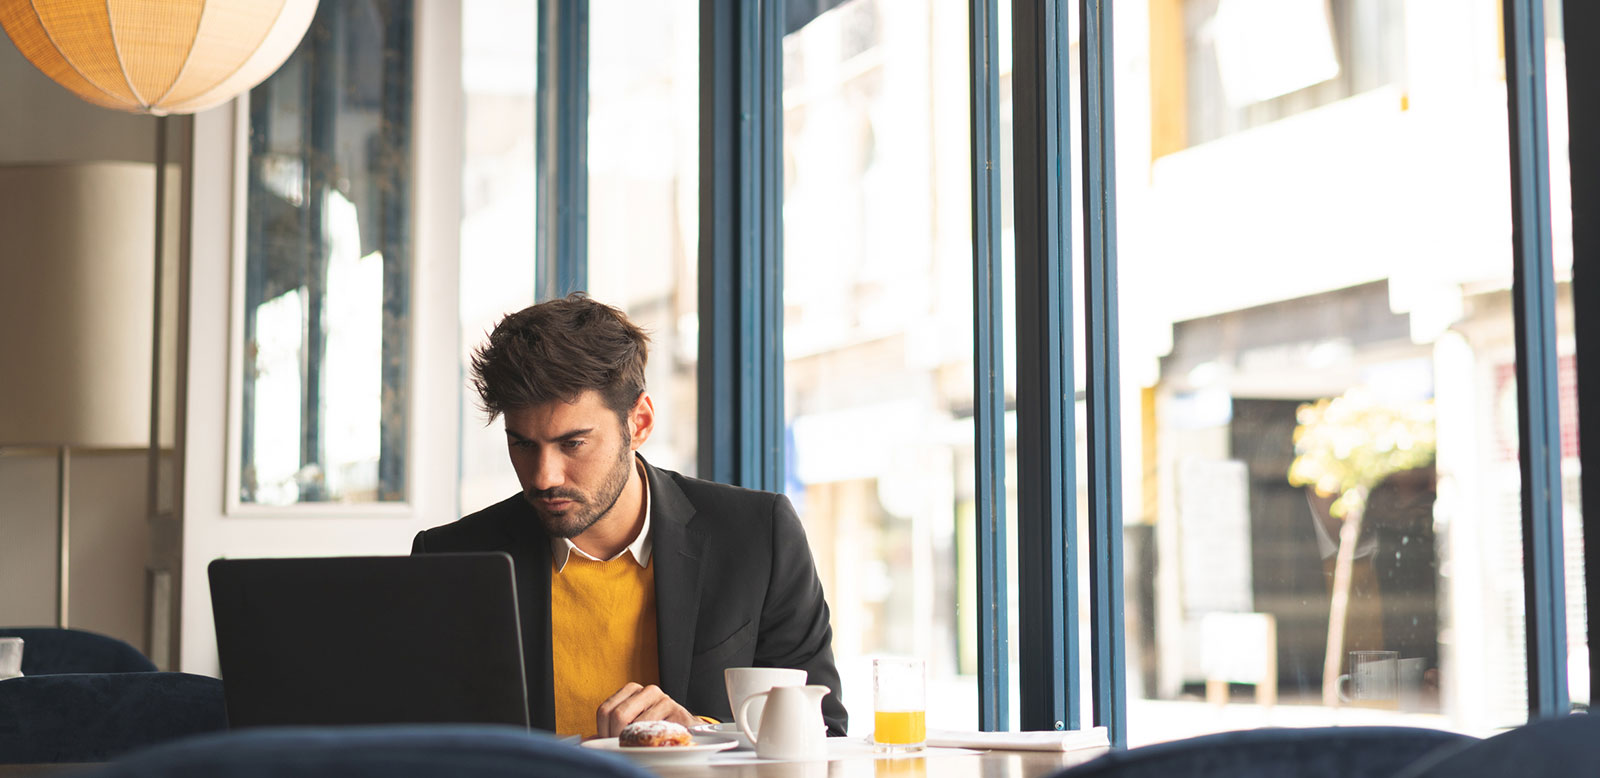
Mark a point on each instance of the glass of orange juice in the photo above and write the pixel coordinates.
(899, 704)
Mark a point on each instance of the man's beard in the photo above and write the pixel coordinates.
(586, 509)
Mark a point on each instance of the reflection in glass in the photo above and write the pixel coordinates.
(327, 271)
(1317, 317)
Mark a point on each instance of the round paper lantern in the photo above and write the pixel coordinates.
(157, 56)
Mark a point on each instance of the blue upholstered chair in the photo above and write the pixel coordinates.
(386, 751)
(1323, 752)
(1565, 746)
(93, 717)
(53, 651)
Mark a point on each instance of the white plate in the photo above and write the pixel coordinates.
(725, 729)
(704, 746)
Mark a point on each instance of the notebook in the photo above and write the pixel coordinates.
(369, 640)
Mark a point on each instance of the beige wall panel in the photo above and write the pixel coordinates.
(27, 540)
(109, 540)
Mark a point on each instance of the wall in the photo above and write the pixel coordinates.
(28, 556)
(42, 124)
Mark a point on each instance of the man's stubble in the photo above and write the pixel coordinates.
(577, 520)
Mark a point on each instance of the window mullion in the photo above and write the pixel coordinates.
(988, 367)
(1100, 313)
(1534, 301)
(562, 148)
(1579, 22)
(1046, 436)
(741, 187)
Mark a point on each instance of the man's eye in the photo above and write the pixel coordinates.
(571, 444)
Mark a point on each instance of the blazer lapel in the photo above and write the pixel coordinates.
(676, 557)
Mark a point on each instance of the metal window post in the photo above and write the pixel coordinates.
(1100, 315)
(741, 284)
(988, 368)
(1533, 296)
(562, 149)
(1581, 22)
(1046, 417)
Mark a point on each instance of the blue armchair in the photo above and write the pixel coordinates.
(53, 651)
(1564, 746)
(384, 751)
(1322, 752)
(93, 717)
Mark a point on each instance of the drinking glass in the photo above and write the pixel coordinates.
(899, 704)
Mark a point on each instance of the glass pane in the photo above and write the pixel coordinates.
(328, 264)
(644, 185)
(1561, 245)
(1315, 283)
(878, 338)
(498, 74)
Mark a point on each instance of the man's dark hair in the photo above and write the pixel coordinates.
(557, 350)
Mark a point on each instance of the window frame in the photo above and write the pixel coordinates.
(741, 333)
(432, 206)
(1582, 21)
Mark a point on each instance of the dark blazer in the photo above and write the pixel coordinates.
(735, 587)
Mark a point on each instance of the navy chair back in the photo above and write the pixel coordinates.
(1569, 745)
(1322, 752)
(53, 651)
(94, 717)
(382, 751)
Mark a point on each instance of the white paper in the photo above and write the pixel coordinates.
(1069, 740)
(846, 748)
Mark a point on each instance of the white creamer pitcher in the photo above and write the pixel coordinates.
(791, 725)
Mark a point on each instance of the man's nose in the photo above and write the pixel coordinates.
(547, 474)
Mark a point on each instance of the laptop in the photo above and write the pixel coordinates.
(369, 640)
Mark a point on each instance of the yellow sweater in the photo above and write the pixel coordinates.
(603, 635)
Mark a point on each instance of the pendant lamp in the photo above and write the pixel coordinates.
(157, 56)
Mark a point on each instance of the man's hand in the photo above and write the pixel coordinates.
(639, 703)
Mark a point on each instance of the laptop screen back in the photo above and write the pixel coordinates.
(369, 640)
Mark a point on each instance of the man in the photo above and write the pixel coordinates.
(637, 586)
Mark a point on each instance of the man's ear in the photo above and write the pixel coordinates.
(641, 420)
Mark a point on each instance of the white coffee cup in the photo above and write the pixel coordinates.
(1373, 679)
(10, 658)
(743, 682)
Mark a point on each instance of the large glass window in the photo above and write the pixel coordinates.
(878, 337)
(498, 73)
(644, 198)
(1317, 313)
(1316, 332)
(327, 278)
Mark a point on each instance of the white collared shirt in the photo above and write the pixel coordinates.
(562, 548)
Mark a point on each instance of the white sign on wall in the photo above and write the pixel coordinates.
(1214, 522)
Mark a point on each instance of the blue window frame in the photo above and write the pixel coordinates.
(1533, 295)
(1581, 21)
(562, 149)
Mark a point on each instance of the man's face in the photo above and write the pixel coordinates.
(574, 459)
